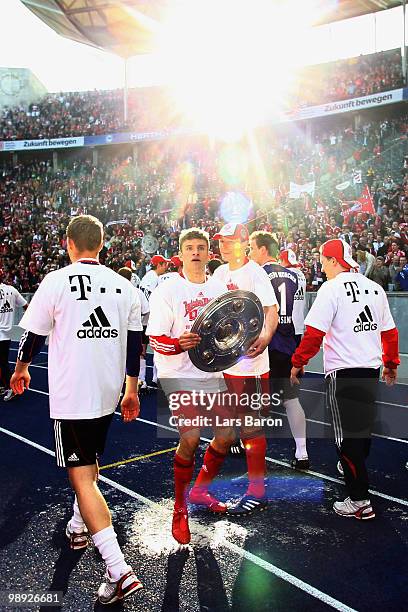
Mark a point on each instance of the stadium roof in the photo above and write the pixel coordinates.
(126, 27)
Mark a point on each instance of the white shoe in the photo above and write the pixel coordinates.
(111, 591)
(9, 395)
(361, 510)
(340, 469)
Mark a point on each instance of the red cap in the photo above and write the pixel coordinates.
(233, 231)
(288, 258)
(176, 261)
(156, 259)
(340, 250)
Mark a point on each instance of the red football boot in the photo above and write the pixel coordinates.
(201, 497)
(179, 527)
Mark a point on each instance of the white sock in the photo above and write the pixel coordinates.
(107, 544)
(142, 372)
(77, 522)
(154, 379)
(297, 424)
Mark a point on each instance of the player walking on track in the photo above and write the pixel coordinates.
(352, 317)
(92, 317)
(265, 250)
(250, 375)
(174, 306)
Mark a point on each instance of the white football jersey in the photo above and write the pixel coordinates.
(144, 303)
(10, 299)
(87, 310)
(149, 282)
(167, 276)
(174, 306)
(298, 314)
(250, 277)
(352, 310)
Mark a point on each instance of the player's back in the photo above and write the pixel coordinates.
(353, 311)
(87, 309)
(285, 285)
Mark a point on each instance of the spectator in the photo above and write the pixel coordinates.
(380, 274)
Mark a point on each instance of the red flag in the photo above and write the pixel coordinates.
(366, 201)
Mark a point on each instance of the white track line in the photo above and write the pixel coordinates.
(241, 552)
(397, 500)
(377, 402)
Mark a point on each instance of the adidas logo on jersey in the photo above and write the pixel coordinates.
(365, 321)
(6, 307)
(97, 326)
(300, 294)
(73, 457)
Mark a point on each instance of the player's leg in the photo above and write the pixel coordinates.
(254, 440)
(183, 467)
(352, 402)
(78, 444)
(280, 364)
(5, 372)
(212, 462)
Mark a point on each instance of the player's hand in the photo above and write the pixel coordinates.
(257, 347)
(295, 374)
(130, 407)
(188, 340)
(389, 376)
(20, 381)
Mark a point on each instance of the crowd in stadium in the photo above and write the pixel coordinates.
(350, 78)
(101, 112)
(180, 187)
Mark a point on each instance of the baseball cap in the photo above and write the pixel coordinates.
(233, 231)
(156, 259)
(340, 250)
(288, 257)
(176, 261)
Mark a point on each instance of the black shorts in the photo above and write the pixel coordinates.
(80, 442)
(280, 366)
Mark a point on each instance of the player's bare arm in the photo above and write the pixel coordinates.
(271, 323)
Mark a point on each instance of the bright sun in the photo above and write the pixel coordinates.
(230, 63)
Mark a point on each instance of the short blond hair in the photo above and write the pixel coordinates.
(86, 232)
(193, 233)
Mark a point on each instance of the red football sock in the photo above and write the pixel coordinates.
(212, 463)
(183, 473)
(255, 455)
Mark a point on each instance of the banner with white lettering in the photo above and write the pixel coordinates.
(296, 190)
(344, 106)
(46, 143)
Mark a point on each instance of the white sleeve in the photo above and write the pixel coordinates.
(263, 288)
(161, 316)
(20, 301)
(39, 316)
(323, 309)
(135, 316)
(144, 302)
(387, 318)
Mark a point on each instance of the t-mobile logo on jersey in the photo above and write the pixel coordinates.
(82, 285)
(192, 308)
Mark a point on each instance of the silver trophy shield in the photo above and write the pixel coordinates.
(228, 325)
(149, 244)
